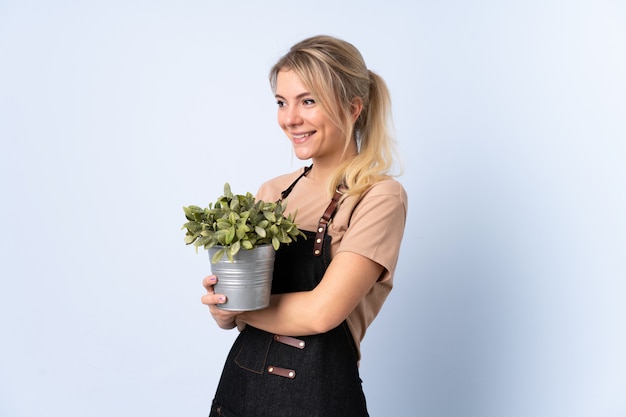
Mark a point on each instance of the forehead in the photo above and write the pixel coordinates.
(289, 83)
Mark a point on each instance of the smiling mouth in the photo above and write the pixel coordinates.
(301, 136)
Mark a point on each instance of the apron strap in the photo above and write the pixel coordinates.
(286, 192)
(323, 223)
(326, 217)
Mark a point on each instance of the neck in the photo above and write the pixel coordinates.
(324, 168)
(320, 172)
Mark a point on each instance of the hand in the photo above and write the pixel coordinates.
(224, 319)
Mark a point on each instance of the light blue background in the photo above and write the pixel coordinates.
(510, 117)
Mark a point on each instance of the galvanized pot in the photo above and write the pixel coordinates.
(247, 281)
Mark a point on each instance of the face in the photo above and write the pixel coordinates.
(312, 133)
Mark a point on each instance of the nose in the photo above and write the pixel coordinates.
(290, 116)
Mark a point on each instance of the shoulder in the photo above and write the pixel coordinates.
(384, 199)
(388, 187)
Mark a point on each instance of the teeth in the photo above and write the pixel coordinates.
(302, 136)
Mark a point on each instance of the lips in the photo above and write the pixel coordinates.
(301, 137)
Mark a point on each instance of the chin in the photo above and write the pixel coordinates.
(303, 156)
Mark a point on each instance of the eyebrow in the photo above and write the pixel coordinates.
(299, 96)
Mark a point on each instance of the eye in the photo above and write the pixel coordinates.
(308, 101)
(280, 103)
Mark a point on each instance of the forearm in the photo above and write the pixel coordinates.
(345, 283)
(289, 314)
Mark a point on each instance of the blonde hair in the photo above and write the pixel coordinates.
(336, 74)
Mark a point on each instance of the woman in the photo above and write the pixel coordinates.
(299, 356)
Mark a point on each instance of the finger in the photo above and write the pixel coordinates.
(213, 299)
(223, 315)
(209, 281)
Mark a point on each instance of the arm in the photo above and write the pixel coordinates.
(377, 222)
(347, 280)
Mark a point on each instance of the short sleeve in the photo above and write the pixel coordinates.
(377, 225)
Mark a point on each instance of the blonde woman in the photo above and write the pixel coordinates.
(300, 356)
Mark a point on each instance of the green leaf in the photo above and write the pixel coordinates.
(230, 235)
(282, 236)
(269, 206)
(246, 244)
(227, 193)
(192, 210)
(242, 231)
(223, 224)
(235, 248)
(234, 204)
(275, 243)
(217, 256)
(269, 216)
(260, 231)
(220, 235)
(193, 226)
(204, 241)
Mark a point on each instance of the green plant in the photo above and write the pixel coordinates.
(238, 221)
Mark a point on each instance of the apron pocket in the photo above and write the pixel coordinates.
(255, 346)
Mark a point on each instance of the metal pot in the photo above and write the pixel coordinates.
(247, 281)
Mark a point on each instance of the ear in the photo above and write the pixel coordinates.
(356, 107)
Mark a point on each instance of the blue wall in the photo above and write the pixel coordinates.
(509, 297)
